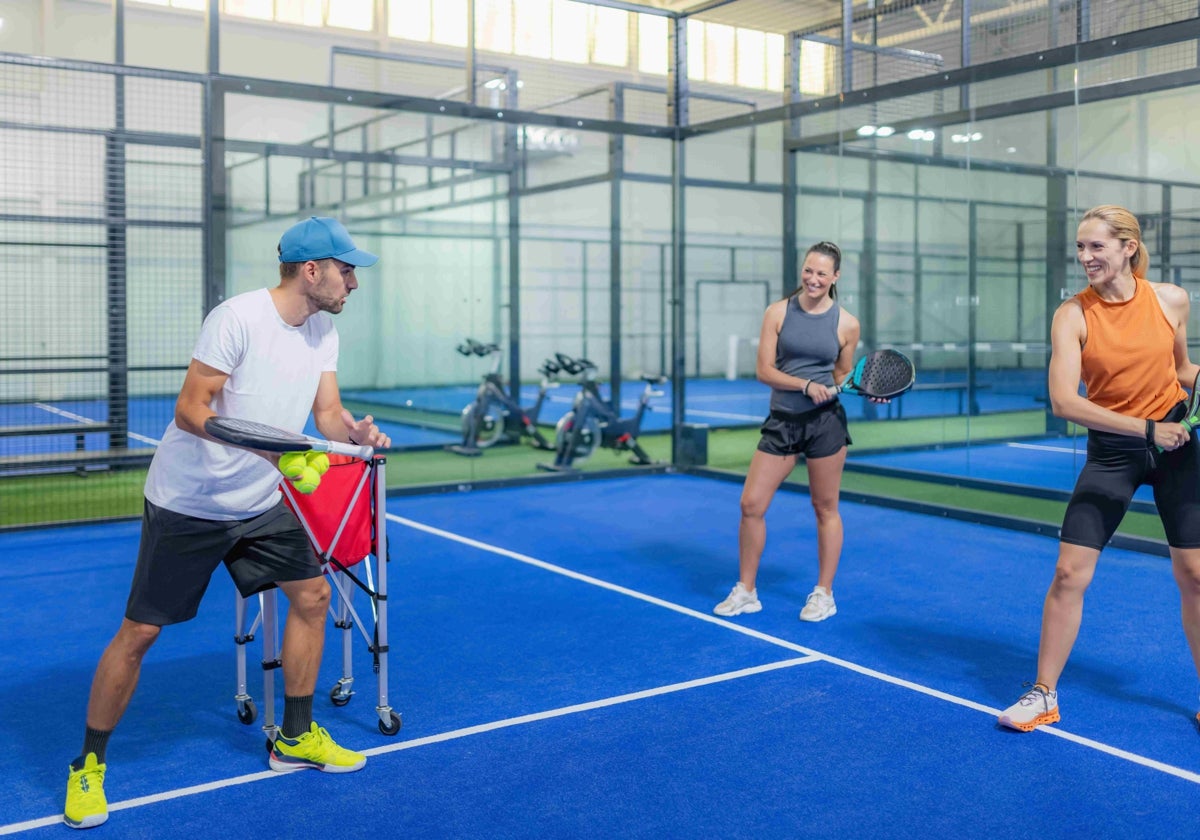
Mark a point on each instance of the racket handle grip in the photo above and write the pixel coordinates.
(1186, 423)
(363, 453)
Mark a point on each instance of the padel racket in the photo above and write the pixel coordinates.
(882, 374)
(253, 435)
(1192, 419)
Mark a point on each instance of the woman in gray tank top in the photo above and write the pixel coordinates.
(805, 349)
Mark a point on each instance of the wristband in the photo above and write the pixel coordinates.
(1149, 430)
(806, 384)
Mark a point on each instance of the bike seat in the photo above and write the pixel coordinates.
(573, 366)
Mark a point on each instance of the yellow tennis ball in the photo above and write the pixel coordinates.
(292, 463)
(319, 461)
(307, 481)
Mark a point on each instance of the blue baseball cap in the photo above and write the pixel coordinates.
(322, 238)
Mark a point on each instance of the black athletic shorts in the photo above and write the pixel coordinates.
(1116, 466)
(814, 434)
(178, 555)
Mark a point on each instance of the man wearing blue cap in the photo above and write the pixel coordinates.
(269, 356)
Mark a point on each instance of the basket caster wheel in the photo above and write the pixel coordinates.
(247, 712)
(392, 726)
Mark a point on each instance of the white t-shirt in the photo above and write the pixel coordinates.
(274, 369)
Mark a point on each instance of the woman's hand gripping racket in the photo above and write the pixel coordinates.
(1192, 418)
(881, 375)
(302, 460)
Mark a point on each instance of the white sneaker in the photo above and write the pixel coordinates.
(740, 601)
(1036, 706)
(819, 605)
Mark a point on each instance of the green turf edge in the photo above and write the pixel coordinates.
(26, 501)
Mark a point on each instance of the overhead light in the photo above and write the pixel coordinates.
(866, 131)
(975, 135)
(1012, 150)
(495, 84)
(884, 131)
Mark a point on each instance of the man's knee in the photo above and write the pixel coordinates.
(137, 637)
(308, 597)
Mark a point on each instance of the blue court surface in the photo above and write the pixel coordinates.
(1051, 463)
(711, 402)
(560, 675)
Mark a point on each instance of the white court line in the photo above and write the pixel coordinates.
(1134, 758)
(589, 706)
(1041, 447)
(452, 735)
(79, 418)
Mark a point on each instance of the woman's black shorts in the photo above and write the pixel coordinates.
(178, 555)
(814, 434)
(1116, 466)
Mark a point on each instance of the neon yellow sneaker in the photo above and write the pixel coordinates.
(316, 750)
(86, 805)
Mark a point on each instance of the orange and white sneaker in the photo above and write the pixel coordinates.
(1037, 706)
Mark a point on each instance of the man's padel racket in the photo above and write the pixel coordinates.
(1192, 419)
(253, 435)
(882, 374)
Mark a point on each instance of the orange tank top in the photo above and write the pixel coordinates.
(1128, 360)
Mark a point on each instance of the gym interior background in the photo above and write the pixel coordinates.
(627, 182)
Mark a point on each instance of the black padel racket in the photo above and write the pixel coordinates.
(253, 435)
(882, 374)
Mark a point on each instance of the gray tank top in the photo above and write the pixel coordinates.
(807, 348)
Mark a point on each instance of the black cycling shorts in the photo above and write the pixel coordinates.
(814, 434)
(178, 555)
(1116, 466)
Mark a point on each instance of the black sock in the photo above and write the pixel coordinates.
(297, 715)
(94, 741)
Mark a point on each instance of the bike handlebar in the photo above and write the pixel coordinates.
(471, 347)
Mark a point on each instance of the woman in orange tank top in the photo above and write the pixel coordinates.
(1125, 338)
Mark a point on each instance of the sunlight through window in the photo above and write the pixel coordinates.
(352, 14)
(751, 58)
(719, 49)
(774, 55)
(610, 36)
(814, 61)
(494, 25)
(561, 30)
(450, 23)
(303, 12)
(652, 44)
(531, 28)
(569, 35)
(258, 9)
(410, 19)
(695, 49)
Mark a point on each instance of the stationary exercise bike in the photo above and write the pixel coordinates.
(495, 417)
(593, 422)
